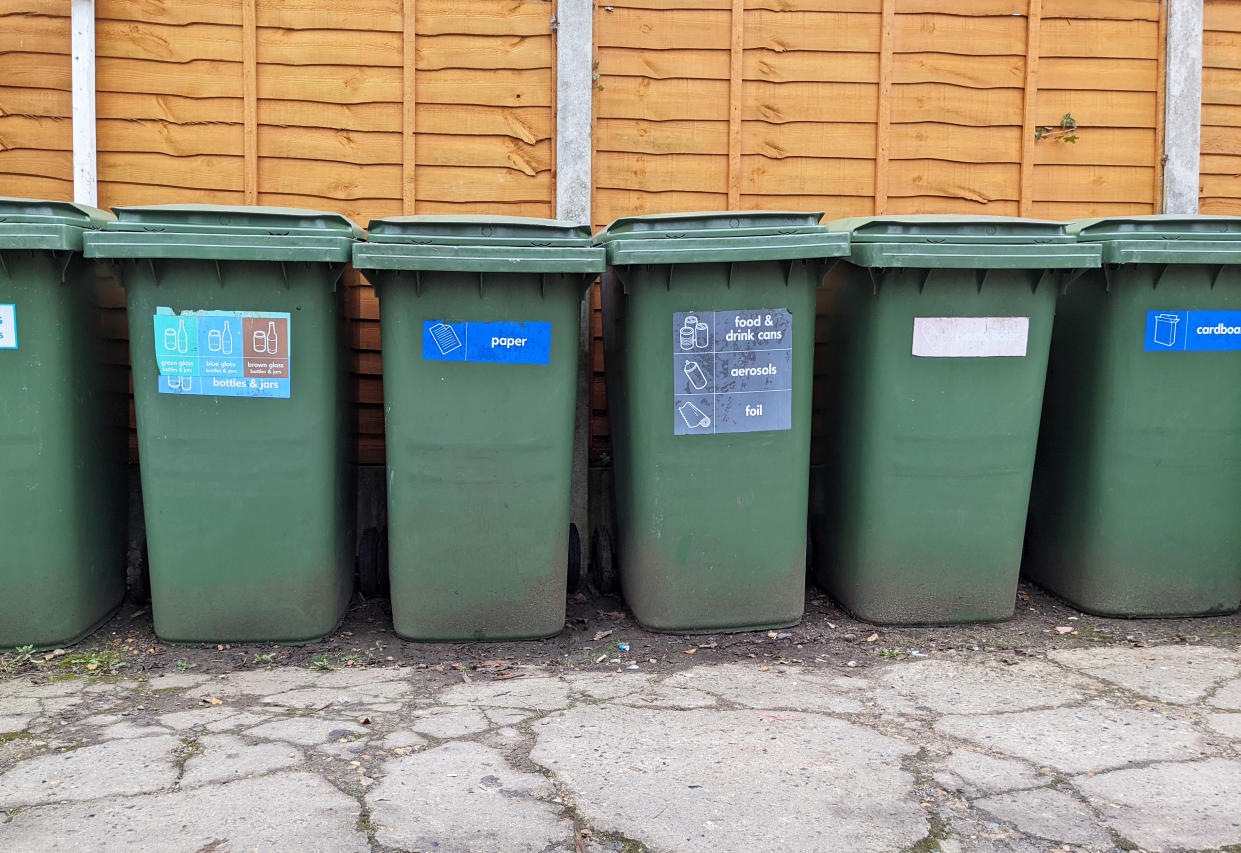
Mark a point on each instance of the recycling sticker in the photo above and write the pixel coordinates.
(732, 371)
(224, 353)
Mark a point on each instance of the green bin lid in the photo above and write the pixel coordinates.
(211, 231)
(715, 236)
(1164, 238)
(31, 223)
(964, 242)
(478, 244)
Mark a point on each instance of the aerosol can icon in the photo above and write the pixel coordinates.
(693, 372)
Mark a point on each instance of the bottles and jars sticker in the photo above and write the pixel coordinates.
(732, 371)
(223, 353)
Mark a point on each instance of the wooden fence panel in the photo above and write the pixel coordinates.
(36, 134)
(1220, 186)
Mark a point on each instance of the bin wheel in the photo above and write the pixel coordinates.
(603, 561)
(575, 559)
(368, 562)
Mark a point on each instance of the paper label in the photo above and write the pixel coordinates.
(495, 343)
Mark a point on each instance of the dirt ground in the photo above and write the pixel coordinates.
(598, 627)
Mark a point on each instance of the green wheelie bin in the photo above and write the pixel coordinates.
(63, 420)
(1136, 507)
(480, 319)
(708, 340)
(936, 359)
(246, 480)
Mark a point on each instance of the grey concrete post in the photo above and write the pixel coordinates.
(1182, 137)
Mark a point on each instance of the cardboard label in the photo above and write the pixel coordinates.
(224, 353)
(1192, 331)
(971, 337)
(732, 371)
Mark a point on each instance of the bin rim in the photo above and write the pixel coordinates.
(963, 229)
(477, 230)
(46, 212)
(233, 219)
(705, 222)
(1156, 226)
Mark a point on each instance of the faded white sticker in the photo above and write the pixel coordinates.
(971, 337)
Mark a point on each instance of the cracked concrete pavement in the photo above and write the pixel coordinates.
(1093, 749)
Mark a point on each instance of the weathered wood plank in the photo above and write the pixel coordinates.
(35, 71)
(171, 108)
(662, 137)
(809, 176)
(463, 183)
(833, 206)
(170, 11)
(899, 204)
(484, 17)
(201, 78)
(975, 72)
(280, 46)
(825, 31)
(613, 203)
(1123, 75)
(1083, 37)
(980, 182)
(1099, 109)
(954, 142)
(1101, 146)
(661, 100)
(663, 173)
(811, 66)
(811, 139)
(201, 171)
(502, 87)
(167, 43)
(1067, 210)
(970, 35)
(338, 146)
(47, 133)
(16, 100)
(652, 29)
(485, 52)
(1130, 184)
(936, 102)
(181, 140)
(826, 102)
(1123, 10)
(122, 193)
(664, 64)
(451, 150)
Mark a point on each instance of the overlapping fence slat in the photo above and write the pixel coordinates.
(1220, 183)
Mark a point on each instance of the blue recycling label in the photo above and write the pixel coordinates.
(1192, 331)
(8, 326)
(495, 343)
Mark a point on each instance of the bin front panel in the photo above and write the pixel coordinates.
(249, 500)
(480, 384)
(63, 447)
(929, 440)
(710, 523)
(1135, 505)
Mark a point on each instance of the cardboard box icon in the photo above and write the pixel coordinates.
(1165, 329)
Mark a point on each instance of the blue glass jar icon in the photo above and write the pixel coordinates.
(1165, 329)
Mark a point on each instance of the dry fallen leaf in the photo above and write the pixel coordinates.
(872, 638)
(366, 721)
(211, 700)
(690, 652)
(92, 666)
(599, 635)
(1064, 629)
